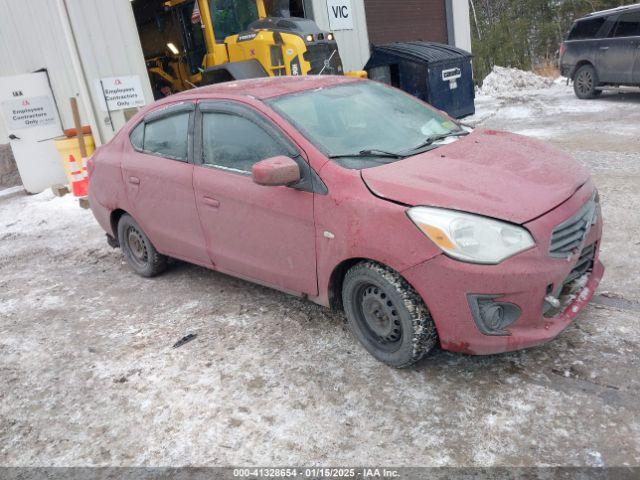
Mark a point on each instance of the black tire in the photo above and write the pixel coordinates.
(585, 82)
(387, 315)
(141, 255)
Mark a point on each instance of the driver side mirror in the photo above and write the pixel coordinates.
(276, 172)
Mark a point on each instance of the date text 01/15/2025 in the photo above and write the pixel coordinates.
(315, 472)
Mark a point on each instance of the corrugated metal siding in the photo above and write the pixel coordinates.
(353, 44)
(406, 21)
(109, 46)
(31, 37)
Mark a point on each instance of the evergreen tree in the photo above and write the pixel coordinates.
(524, 34)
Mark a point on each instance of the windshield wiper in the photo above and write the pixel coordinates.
(372, 153)
(434, 138)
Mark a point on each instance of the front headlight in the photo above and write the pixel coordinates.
(471, 238)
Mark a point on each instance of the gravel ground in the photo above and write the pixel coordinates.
(88, 375)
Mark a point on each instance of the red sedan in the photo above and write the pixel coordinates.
(359, 197)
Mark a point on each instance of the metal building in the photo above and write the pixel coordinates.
(81, 42)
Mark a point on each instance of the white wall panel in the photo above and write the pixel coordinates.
(461, 24)
(353, 44)
(31, 37)
(109, 46)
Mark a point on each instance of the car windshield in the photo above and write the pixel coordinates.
(365, 123)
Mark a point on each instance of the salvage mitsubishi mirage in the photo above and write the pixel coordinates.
(362, 198)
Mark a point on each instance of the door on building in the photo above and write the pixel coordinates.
(407, 21)
(31, 117)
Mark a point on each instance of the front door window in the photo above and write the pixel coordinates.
(235, 143)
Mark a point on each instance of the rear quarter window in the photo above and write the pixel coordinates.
(588, 28)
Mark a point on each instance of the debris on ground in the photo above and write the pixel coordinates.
(609, 294)
(185, 339)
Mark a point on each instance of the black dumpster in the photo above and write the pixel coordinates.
(438, 74)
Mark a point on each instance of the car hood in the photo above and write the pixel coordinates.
(496, 174)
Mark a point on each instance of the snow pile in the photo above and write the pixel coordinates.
(504, 81)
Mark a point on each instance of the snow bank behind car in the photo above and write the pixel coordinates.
(504, 82)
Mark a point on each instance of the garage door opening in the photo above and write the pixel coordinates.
(174, 41)
(407, 21)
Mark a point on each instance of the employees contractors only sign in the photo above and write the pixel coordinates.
(340, 15)
(29, 112)
(120, 93)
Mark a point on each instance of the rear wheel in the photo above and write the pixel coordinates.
(585, 82)
(141, 255)
(387, 315)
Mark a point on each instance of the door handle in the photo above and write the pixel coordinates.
(210, 202)
(13, 137)
(604, 48)
(134, 180)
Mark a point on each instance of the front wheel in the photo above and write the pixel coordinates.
(585, 82)
(387, 315)
(141, 255)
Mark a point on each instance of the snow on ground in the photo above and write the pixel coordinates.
(88, 375)
(505, 82)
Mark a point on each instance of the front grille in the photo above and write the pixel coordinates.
(324, 58)
(569, 235)
(573, 284)
(584, 265)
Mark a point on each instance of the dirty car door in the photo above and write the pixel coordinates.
(617, 53)
(265, 234)
(635, 42)
(159, 182)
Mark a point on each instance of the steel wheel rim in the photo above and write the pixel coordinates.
(137, 246)
(378, 317)
(585, 82)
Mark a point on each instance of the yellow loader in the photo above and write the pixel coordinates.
(226, 40)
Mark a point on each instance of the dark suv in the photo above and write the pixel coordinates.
(603, 49)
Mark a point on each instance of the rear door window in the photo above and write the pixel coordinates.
(168, 136)
(588, 28)
(628, 25)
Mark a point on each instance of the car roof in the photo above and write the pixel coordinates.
(611, 11)
(265, 88)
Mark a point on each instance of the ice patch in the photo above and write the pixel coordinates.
(11, 190)
(8, 306)
(544, 133)
(52, 301)
(595, 459)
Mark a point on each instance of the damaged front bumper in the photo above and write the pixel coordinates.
(486, 309)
